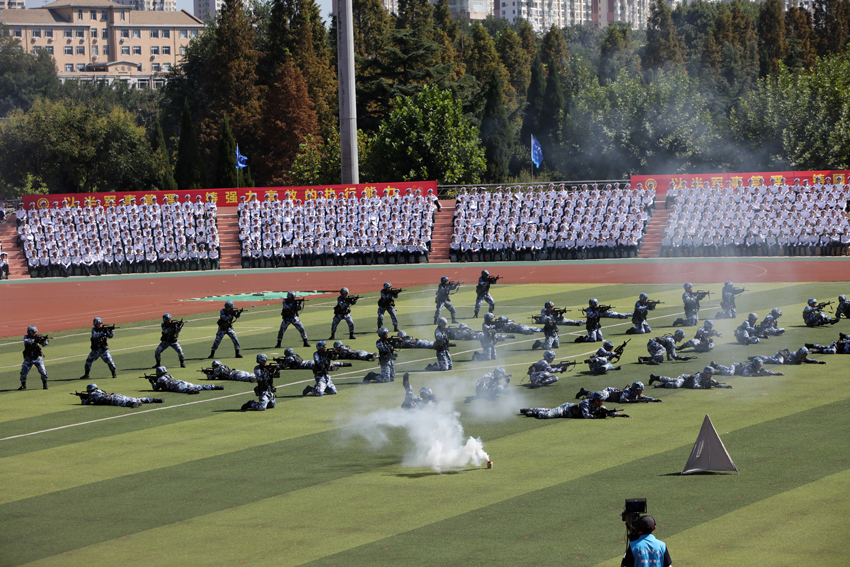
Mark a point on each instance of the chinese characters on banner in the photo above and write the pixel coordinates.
(231, 197)
(662, 182)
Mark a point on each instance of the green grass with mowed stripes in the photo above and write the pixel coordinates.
(196, 481)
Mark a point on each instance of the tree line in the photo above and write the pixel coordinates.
(709, 86)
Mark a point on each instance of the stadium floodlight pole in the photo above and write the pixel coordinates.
(347, 96)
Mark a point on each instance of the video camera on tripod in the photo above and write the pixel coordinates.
(633, 510)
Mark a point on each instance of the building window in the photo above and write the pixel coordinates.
(49, 49)
(184, 34)
(67, 33)
(93, 15)
(154, 50)
(166, 33)
(155, 67)
(137, 33)
(154, 33)
(137, 50)
(158, 83)
(166, 66)
(69, 50)
(17, 33)
(69, 67)
(94, 33)
(79, 15)
(94, 50)
(123, 15)
(80, 33)
(105, 49)
(166, 50)
(81, 67)
(125, 50)
(125, 34)
(182, 50)
(36, 33)
(104, 33)
(143, 84)
(81, 50)
(48, 33)
(103, 16)
(194, 33)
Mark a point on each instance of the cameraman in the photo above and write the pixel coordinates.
(646, 551)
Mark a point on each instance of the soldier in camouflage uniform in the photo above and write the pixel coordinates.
(226, 318)
(814, 316)
(727, 301)
(220, 371)
(770, 324)
(702, 341)
(442, 344)
(165, 382)
(386, 356)
(600, 362)
(550, 334)
(264, 374)
(411, 400)
(344, 352)
(387, 303)
(659, 346)
(169, 338)
(323, 365)
(96, 396)
(590, 408)
(747, 333)
(701, 381)
(292, 361)
(691, 300)
(491, 383)
(639, 316)
(753, 368)
(443, 291)
(342, 310)
(632, 394)
(542, 373)
(549, 311)
(289, 313)
(488, 339)
(505, 325)
(99, 347)
(801, 355)
(482, 292)
(33, 356)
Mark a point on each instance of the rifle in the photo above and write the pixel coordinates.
(653, 303)
(453, 286)
(823, 304)
(598, 309)
(611, 412)
(618, 352)
(82, 395)
(559, 312)
(394, 291)
(396, 342)
(493, 279)
(41, 339)
(110, 327)
(152, 378)
(564, 365)
(238, 312)
(702, 294)
(301, 300)
(206, 371)
(352, 299)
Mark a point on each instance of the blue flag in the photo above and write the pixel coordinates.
(241, 161)
(536, 152)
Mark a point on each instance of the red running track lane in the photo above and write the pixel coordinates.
(57, 305)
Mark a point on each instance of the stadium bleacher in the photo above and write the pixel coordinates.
(758, 219)
(554, 223)
(336, 231)
(90, 239)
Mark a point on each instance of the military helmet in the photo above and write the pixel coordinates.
(444, 279)
(442, 321)
(802, 351)
(383, 332)
(812, 301)
(757, 361)
(463, 326)
(161, 370)
(708, 370)
(502, 319)
(387, 285)
(97, 321)
(262, 359)
(637, 385)
(337, 344)
(728, 284)
(321, 345)
(643, 297)
(290, 295)
(607, 345)
(289, 352)
(842, 298)
(776, 312)
(229, 305)
(679, 334)
(500, 370)
(688, 285)
(593, 302)
(344, 291)
(91, 387)
(166, 318)
(484, 273)
(402, 334)
(599, 396)
(216, 363)
(425, 393)
(548, 304)
(708, 324)
(32, 330)
(489, 317)
(549, 354)
(753, 316)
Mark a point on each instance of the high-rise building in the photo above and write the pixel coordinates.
(103, 41)
(153, 5)
(207, 9)
(562, 13)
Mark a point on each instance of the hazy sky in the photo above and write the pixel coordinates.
(187, 5)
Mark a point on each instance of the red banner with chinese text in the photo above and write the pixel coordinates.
(230, 197)
(662, 182)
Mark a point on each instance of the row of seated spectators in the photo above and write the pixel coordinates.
(339, 231)
(556, 223)
(64, 240)
(4, 262)
(758, 219)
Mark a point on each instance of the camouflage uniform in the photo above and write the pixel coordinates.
(101, 398)
(289, 313)
(699, 381)
(581, 410)
(225, 327)
(323, 364)
(168, 338)
(442, 299)
(222, 372)
(444, 357)
(167, 383)
(100, 349)
(342, 311)
(33, 357)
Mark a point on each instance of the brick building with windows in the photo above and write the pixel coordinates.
(100, 40)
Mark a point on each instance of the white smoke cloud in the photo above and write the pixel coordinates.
(436, 436)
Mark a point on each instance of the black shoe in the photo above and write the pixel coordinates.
(306, 390)
(395, 328)
(579, 340)
(652, 379)
(44, 384)
(84, 377)
(157, 400)
(522, 411)
(536, 345)
(217, 387)
(277, 345)
(134, 405)
(246, 406)
(352, 337)
(114, 375)
(454, 321)
(581, 393)
(182, 364)
(809, 345)
(306, 344)
(842, 337)
(332, 337)
(23, 386)
(238, 355)
(193, 392)
(640, 360)
(712, 364)
(212, 354)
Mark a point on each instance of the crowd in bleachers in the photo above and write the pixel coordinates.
(338, 230)
(800, 219)
(554, 223)
(90, 239)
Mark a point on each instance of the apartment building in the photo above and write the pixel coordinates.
(101, 40)
(155, 5)
(12, 4)
(543, 14)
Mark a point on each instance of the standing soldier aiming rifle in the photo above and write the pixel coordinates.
(226, 318)
(444, 290)
(170, 334)
(482, 291)
(100, 334)
(33, 356)
(289, 313)
(342, 310)
(387, 303)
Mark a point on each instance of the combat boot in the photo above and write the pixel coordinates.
(135, 405)
(114, 375)
(217, 387)
(212, 354)
(246, 406)
(23, 386)
(182, 364)
(277, 344)
(652, 379)
(536, 345)
(84, 376)
(351, 336)
(380, 323)
(238, 354)
(306, 391)
(581, 393)
(395, 328)
(157, 400)
(306, 344)
(332, 337)
(44, 384)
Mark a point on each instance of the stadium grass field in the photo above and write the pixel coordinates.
(194, 481)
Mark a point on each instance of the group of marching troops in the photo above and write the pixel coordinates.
(544, 372)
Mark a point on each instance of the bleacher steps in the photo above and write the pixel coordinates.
(651, 247)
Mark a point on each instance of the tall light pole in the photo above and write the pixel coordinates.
(347, 96)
